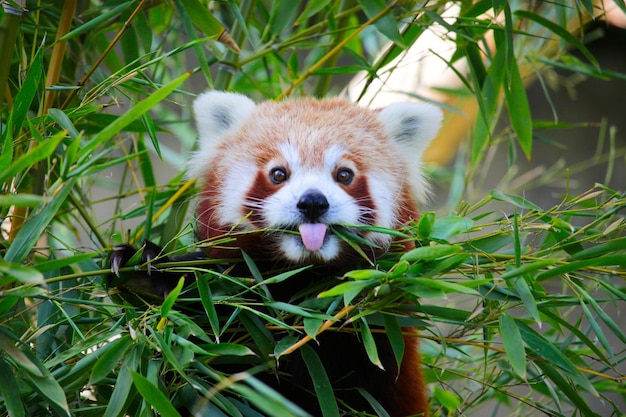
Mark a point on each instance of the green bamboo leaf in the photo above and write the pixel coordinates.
(312, 7)
(396, 339)
(519, 109)
(64, 122)
(450, 226)
(566, 388)
(230, 349)
(24, 274)
(369, 343)
(321, 383)
(599, 250)
(270, 402)
(349, 290)
(606, 261)
(526, 295)
(262, 337)
(289, 308)
(426, 224)
(10, 391)
(606, 318)
(284, 275)
(121, 391)
(449, 400)
(25, 97)
(597, 329)
(486, 85)
(547, 351)
(312, 326)
(206, 298)
(124, 120)
(40, 152)
(560, 31)
(23, 360)
(143, 156)
(283, 344)
(514, 200)
(171, 298)
(529, 267)
(94, 23)
(430, 253)
(56, 264)
(376, 406)
(448, 287)
(110, 359)
(205, 21)
(386, 24)
(34, 227)
(360, 274)
(153, 396)
(513, 344)
(50, 391)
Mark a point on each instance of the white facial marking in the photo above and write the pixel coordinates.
(235, 190)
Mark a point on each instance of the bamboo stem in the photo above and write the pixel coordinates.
(9, 28)
(58, 51)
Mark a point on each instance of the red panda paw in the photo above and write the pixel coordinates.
(145, 279)
(122, 254)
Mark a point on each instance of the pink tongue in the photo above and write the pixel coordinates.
(312, 235)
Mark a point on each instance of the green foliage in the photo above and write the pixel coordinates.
(513, 302)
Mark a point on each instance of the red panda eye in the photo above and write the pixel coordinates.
(344, 176)
(278, 175)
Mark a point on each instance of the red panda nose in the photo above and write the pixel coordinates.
(313, 205)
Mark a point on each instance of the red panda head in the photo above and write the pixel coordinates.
(300, 169)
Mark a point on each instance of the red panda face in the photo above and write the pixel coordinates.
(305, 171)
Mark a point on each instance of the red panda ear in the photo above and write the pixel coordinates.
(411, 127)
(216, 114)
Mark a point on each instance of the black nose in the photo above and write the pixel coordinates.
(313, 204)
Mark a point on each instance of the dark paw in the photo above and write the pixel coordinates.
(126, 255)
(147, 281)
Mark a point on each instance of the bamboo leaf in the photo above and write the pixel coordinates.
(153, 396)
(171, 298)
(10, 391)
(34, 227)
(396, 339)
(207, 23)
(26, 275)
(369, 343)
(545, 350)
(321, 383)
(49, 389)
(40, 152)
(519, 109)
(450, 226)
(349, 290)
(430, 253)
(513, 344)
(97, 21)
(121, 391)
(110, 359)
(25, 97)
(386, 24)
(560, 31)
(121, 122)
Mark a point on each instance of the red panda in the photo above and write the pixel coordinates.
(301, 172)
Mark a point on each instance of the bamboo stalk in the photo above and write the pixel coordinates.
(9, 28)
(58, 51)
